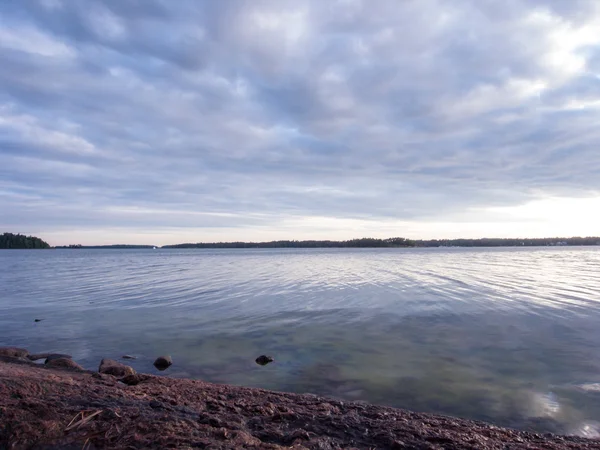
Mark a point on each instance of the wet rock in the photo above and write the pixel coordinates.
(128, 357)
(14, 352)
(135, 379)
(263, 360)
(112, 367)
(53, 356)
(37, 320)
(163, 362)
(64, 363)
(38, 356)
(101, 376)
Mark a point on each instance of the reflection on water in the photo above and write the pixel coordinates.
(509, 336)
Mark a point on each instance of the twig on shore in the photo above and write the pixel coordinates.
(74, 423)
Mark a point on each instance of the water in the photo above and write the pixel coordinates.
(505, 335)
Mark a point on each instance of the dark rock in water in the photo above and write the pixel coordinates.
(128, 357)
(263, 360)
(14, 352)
(53, 356)
(163, 362)
(64, 363)
(38, 320)
(132, 380)
(112, 367)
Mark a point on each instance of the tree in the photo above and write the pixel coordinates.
(20, 241)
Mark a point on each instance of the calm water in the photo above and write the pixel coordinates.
(510, 335)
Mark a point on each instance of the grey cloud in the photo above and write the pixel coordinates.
(385, 109)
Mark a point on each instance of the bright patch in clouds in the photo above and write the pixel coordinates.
(162, 122)
(561, 216)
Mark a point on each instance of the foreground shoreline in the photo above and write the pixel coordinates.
(59, 408)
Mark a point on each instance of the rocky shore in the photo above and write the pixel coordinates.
(59, 405)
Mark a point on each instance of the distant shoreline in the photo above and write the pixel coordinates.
(367, 243)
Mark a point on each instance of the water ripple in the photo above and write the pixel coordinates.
(494, 334)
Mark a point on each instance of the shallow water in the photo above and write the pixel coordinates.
(506, 335)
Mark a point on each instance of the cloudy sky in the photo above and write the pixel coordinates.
(147, 121)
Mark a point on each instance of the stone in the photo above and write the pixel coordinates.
(163, 362)
(64, 363)
(14, 352)
(112, 367)
(53, 356)
(38, 356)
(263, 360)
(135, 379)
(101, 376)
(128, 357)
(37, 320)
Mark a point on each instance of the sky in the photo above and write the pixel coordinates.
(161, 122)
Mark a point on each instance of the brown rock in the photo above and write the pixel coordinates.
(38, 356)
(135, 379)
(47, 356)
(53, 356)
(112, 367)
(14, 352)
(163, 362)
(64, 363)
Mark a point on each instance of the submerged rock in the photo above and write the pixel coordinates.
(163, 362)
(64, 363)
(112, 367)
(14, 352)
(37, 320)
(263, 360)
(128, 357)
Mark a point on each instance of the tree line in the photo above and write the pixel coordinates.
(20, 241)
(509, 242)
(113, 246)
(399, 242)
(364, 242)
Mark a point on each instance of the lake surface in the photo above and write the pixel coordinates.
(508, 335)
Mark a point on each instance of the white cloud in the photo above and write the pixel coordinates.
(25, 38)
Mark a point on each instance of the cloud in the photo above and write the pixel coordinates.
(219, 118)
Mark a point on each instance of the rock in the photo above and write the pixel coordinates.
(37, 320)
(38, 356)
(47, 356)
(263, 360)
(100, 376)
(163, 362)
(53, 356)
(14, 352)
(112, 367)
(132, 380)
(128, 357)
(64, 363)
